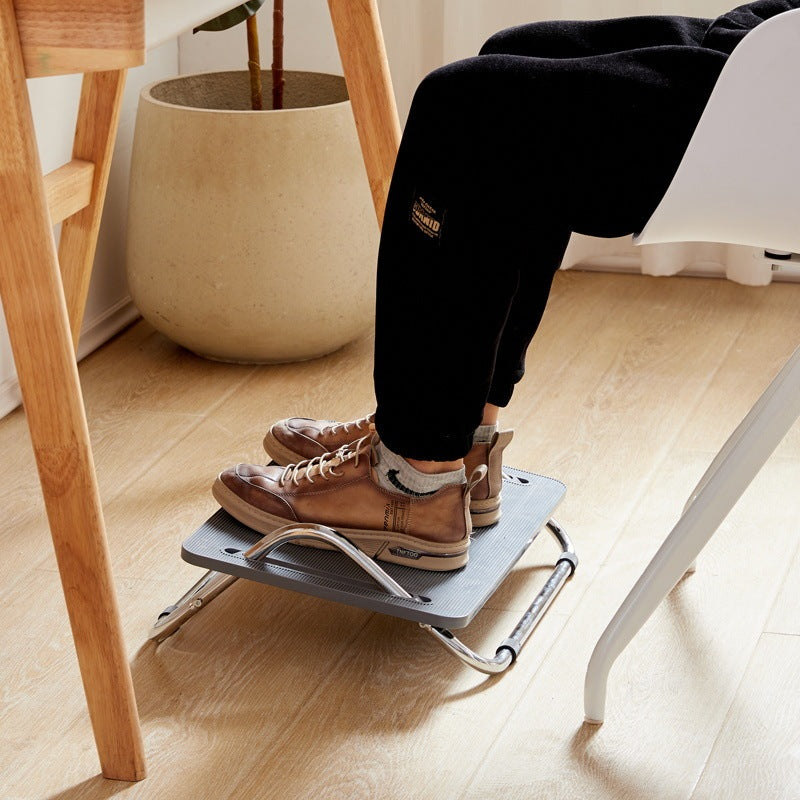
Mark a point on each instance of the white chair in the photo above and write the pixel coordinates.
(739, 182)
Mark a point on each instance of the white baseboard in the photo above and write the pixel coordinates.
(103, 327)
(782, 271)
(10, 397)
(631, 265)
(95, 333)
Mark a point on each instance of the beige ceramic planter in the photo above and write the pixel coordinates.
(251, 234)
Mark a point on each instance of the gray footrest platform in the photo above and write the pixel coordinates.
(440, 599)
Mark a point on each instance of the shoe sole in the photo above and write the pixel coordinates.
(390, 546)
(482, 512)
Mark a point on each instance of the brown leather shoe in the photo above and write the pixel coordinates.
(484, 504)
(340, 490)
(296, 439)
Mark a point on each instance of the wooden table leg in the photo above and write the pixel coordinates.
(95, 133)
(33, 299)
(366, 70)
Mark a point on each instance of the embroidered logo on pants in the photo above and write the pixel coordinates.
(427, 218)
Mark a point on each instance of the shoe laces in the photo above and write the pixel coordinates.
(359, 424)
(324, 466)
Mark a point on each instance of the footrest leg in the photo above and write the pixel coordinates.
(199, 596)
(510, 647)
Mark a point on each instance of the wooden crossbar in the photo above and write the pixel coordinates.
(68, 189)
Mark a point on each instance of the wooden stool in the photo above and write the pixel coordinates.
(44, 302)
(44, 310)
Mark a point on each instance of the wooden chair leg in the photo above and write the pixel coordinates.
(95, 133)
(33, 299)
(361, 47)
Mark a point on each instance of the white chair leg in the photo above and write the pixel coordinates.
(744, 426)
(734, 468)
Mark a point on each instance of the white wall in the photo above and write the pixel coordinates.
(309, 43)
(415, 41)
(54, 102)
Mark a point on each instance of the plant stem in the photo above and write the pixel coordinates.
(254, 64)
(277, 54)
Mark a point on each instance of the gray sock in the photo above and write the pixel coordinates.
(397, 475)
(484, 433)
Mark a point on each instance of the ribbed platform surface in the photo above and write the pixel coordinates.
(446, 599)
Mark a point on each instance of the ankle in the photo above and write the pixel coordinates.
(490, 414)
(393, 472)
(435, 467)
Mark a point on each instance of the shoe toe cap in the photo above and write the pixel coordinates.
(301, 435)
(257, 486)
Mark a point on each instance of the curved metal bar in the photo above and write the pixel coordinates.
(533, 615)
(214, 583)
(200, 595)
(321, 533)
(491, 666)
(565, 543)
(510, 648)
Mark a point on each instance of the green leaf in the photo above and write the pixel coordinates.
(231, 18)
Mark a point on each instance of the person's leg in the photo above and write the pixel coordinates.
(502, 156)
(464, 215)
(566, 39)
(553, 39)
(590, 38)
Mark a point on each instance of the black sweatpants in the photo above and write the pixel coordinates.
(555, 127)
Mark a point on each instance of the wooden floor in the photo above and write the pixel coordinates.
(633, 384)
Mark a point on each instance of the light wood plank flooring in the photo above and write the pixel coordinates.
(633, 384)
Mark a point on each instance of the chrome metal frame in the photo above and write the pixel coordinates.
(510, 647)
(200, 595)
(214, 583)
(321, 533)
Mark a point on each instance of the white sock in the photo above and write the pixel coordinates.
(397, 475)
(485, 433)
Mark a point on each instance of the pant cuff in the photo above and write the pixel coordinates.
(423, 445)
(500, 395)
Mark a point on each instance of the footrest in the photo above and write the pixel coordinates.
(439, 599)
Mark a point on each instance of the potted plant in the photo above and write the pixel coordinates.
(247, 13)
(251, 233)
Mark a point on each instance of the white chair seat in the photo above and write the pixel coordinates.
(739, 180)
